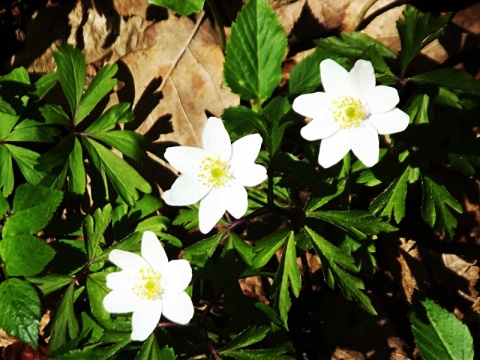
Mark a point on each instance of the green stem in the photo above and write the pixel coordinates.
(361, 14)
(219, 24)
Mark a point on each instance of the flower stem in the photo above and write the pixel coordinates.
(361, 14)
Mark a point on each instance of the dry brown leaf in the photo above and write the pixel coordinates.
(346, 354)
(412, 272)
(252, 286)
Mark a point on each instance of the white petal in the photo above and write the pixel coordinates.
(334, 148)
(249, 174)
(153, 251)
(312, 105)
(185, 159)
(320, 128)
(122, 280)
(246, 149)
(362, 79)
(178, 308)
(236, 199)
(126, 260)
(365, 145)
(119, 302)
(145, 319)
(216, 140)
(186, 190)
(211, 210)
(335, 78)
(390, 122)
(381, 99)
(177, 276)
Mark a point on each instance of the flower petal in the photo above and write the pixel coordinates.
(126, 260)
(211, 210)
(122, 280)
(186, 190)
(312, 105)
(246, 149)
(381, 99)
(365, 145)
(178, 308)
(185, 159)
(249, 174)
(216, 140)
(153, 252)
(177, 276)
(362, 79)
(335, 78)
(390, 122)
(119, 302)
(236, 199)
(334, 148)
(145, 318)
(320, 128)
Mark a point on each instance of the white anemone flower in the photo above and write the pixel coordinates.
(215, 175)
(149, 286)
(350, 114)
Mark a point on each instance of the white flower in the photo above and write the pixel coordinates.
(215, 175)
(149, 286)
(350, 114)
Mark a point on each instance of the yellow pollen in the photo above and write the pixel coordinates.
(214, 172)
(349, 112)
(148, 285)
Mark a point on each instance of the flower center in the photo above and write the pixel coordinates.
(148, 284)
(214, 172)
(349, 112)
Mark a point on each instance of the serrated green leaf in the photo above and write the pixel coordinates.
(63, 325)
(439, 334)
(157, 224)
(97, 290)
(32, 131)
(94, 227)
(251, 335)
(358, 223)
(185, 7)
(7, 123)
(54, 114)
(43, 85)
(100, 86)
(77, 181)
(450, 78)
(436, 205)
(20, 315)
(287, 273)
(50, 283)
(275, 112)
(417, 31)
(305, 76)
(7, 180)
(266, 247)
(127, 142)
(255, 52)
(188, 218)
(243, 249)
(241, 121)
(258, 354)
(203, 249)
(18, 75)
(71, 72)
(33, 207)
(4, 206)
(26, 160)
(125, 179)
(392, 200)
(150, 350)
(118, 113)
(25, 255)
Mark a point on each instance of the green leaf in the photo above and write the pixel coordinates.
(77, 181)
(287, 273)
(266, 247)
(33, 207)
(188, 218)
(118, 113)
(7, 123)
(25, 255)
(7, 180)
(20, 315)
(94, 227)
(43, 85)
(258, 354)
(185, 7)
(32, 131)
(392, 200)
(358, 223)
(241, 121)
(71, 72)
(439, 334)
(450, 78)
(275, 112)
(129, 143)
(18, 75)
(97, 290)
(203, 249)
(331, 257)
(100, 86)
(243, 249)
(417, 31)
(255, 52)
(150, 350)
(63, 325)
(54, 114)
(125, 179)
(436, 204)
(4, 206)
(26, 160)
(50, 283)
(251, 335)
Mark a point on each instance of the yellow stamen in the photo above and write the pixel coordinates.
(148, 284)
(214, 172)
(349, 112)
